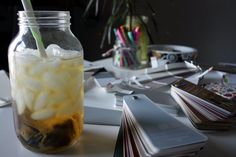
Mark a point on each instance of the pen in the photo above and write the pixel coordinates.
(121, 38)
(131, 38)
(124, 34)
(137, 33)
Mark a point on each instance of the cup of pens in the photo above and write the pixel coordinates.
(125, 57)
(130, 49)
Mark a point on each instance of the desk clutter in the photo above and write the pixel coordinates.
(133, 55)
(168, 54)
(203, 97)
(147, 130)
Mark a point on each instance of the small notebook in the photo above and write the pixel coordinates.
(205, 109)
(149, 131)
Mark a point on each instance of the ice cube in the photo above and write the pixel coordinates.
(31, 83)
(51, 80)
(53, 50)
(43, 114)
(55, 64)
(41, 100)
(56, 81)
(20, 104)
(38, 68)
(68, 54)
(28, 51)
(27, 59)
(28, 97)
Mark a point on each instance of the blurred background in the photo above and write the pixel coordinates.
(207, 25)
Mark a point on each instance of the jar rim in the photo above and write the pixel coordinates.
(44, 17)
(44, 13)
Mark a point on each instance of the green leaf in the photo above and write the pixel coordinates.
(88, 7)
(97, 7)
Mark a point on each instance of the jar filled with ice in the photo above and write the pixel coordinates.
(47, 90)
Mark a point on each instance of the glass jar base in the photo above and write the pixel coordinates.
(47, 150)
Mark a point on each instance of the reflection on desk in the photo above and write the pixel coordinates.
(220, 143)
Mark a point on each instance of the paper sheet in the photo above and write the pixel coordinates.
(5, 89)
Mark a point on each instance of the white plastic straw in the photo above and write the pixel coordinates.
(34, 30)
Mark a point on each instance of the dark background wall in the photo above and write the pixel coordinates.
(208, 25)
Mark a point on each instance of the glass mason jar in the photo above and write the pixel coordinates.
(47, 91)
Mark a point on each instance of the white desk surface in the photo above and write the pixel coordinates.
(99, 141)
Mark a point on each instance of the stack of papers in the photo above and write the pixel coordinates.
(205, 109)
(102, 79)
(149, 131)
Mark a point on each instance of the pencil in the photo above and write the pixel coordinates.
(205, 72)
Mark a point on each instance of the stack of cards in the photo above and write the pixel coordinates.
(205, 109)
(148, 131)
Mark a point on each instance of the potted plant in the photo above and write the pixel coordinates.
(120, 10)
